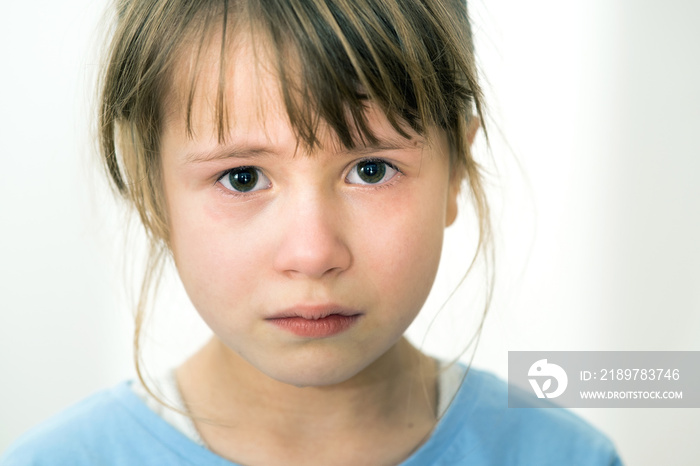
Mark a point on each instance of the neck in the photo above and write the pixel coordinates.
(225, 379)
(225, 395)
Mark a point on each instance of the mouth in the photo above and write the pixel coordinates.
(315, 321)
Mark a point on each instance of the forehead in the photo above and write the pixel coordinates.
(221, 79)
(237, 92)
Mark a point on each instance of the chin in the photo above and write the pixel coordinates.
(318, 372)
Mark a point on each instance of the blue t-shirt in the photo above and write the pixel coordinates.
(115, 427)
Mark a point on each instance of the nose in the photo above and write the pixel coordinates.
(313, 241)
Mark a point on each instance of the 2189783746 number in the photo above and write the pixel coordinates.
(639, 374)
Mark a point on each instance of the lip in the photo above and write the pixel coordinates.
(315, 321)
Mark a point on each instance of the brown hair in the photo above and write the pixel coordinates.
(413, 58)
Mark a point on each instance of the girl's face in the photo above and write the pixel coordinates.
(309, 266)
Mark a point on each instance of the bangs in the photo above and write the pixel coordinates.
(333, 58)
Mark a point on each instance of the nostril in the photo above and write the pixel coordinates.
(301, 255)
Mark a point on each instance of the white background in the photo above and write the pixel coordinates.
(599, 103)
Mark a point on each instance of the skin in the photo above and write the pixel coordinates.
(311, 235)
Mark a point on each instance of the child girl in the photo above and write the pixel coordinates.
(298, 160)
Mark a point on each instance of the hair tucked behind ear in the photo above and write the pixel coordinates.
(412, 58)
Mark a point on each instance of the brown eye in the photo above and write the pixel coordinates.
(371, 172)
(244, 179)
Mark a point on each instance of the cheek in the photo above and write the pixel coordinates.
(403, 242)
(216, 253)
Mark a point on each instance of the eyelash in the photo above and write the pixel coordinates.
(381, 185)
(232, 192)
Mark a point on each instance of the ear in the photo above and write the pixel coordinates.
(456, 181)
(473, 128)
(452, 194)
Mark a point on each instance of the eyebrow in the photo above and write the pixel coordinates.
(248, 152)
(228, 152)
(384, 145)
